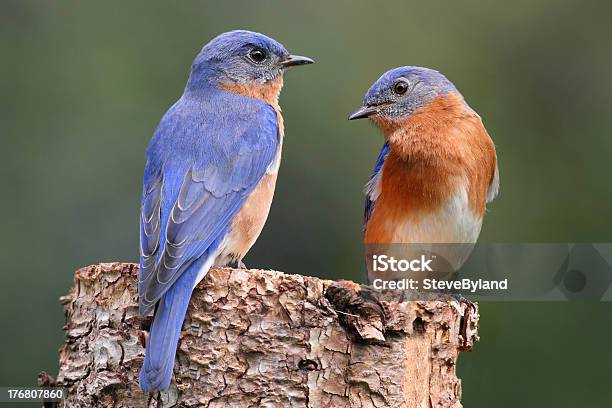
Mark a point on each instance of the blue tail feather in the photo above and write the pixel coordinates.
(158, 365)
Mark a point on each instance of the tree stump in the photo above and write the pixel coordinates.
(255, 338)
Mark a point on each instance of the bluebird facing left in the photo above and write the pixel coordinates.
(437, 168)
(208, 182)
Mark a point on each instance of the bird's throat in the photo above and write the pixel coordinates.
(268, 91)
(425, 134)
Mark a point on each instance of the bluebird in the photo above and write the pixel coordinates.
(437, 169)
(208, 183)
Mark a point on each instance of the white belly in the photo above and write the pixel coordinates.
(449, 232)
(454, 222)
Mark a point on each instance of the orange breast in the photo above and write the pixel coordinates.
(409, 192)
(249, 222)
(441, 160)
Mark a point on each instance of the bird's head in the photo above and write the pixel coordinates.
(400, 92)
(242, 57)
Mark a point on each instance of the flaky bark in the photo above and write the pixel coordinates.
(260, 338)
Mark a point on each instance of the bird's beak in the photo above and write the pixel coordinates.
(294, 60)
(363, 112)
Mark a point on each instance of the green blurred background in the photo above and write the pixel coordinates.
(83, 85)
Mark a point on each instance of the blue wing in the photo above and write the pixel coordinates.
(203, 162)
(372, 189)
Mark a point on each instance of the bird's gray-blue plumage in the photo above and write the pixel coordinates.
(209, 152)
(224, 56)
(424, 85)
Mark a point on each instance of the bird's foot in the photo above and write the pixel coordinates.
(237, 264)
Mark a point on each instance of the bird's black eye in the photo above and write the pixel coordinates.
(400, 87)
(257, 55)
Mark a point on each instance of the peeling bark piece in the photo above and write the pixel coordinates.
(359, 311)
(256, 338)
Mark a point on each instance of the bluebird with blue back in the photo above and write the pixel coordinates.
(208, 183)
(437, 168)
